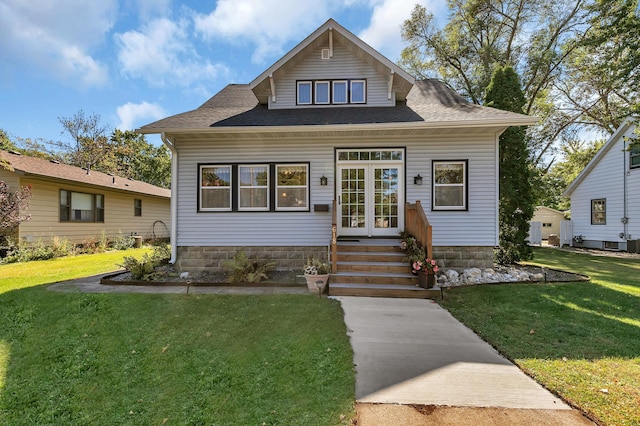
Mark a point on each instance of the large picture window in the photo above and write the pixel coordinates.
(599, 212)
(292, 187)
(81, 207)
(449, 185)
(215, 188)
(254, 187)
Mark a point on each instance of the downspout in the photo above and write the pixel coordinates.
(625, 171)
(174, 197)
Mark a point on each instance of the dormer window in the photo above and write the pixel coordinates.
(322, 92)
(304, 93)
(328, 92)
(358, 92)
(340, 92)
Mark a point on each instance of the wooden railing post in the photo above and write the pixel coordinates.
(334, 238)
(417, 224)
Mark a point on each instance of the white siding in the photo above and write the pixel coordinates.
(475, 227)
(607, 181)
(343, 65)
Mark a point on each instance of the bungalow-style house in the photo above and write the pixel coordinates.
(70, 202)
(605, 197)
(331, 150)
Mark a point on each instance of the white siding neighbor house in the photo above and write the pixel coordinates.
(69, 202)
(333, 142)
(605, 197)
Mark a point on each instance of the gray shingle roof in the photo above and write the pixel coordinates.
(429, 102)
(47, 169)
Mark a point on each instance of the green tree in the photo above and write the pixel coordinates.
(138, 159)
(5, 142)
(516, 194)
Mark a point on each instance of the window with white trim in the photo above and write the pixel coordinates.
(304, 93)
(292, 187)
(358, 91)
(322, 95)
(340, 92)
(215, 188)
(449, 185)
(81, 207)
(254, 187)
(599, 211)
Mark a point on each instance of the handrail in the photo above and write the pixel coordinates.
(334, 238)
(417, 224)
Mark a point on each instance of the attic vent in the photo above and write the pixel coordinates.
(54, 161)
(325, 54)
(15, 153)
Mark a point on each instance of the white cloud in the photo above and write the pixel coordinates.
(131, 114)
(383, 33)
(267, 24)
(56, 37)
(162, 54)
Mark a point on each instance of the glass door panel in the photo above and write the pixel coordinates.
(352, 200)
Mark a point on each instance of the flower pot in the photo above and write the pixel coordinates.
(426, 280)
(317, 283)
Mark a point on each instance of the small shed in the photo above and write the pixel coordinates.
(549, 219)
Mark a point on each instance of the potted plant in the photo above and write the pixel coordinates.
(316, 273)
(426, 270)
(414, 251)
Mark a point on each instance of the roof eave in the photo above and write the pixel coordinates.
(479, 123)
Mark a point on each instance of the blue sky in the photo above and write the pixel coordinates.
(133, 62)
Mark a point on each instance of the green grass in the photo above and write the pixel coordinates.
(15, 276)
(156, 359)
(580, 340)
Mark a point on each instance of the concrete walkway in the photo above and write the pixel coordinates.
(412, 351)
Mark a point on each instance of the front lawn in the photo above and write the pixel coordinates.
(157, 359)
(580, 340)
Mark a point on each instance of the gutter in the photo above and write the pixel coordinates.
(174, 197)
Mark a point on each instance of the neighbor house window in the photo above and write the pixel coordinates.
(137, 207)
(304, 93)
(339, 92)
(599, 212)
(322, 92)
(634, 158)
(450, 185)
(358, 92)
(292, 187)
(254, 187)
(81, 207)
(215, 188)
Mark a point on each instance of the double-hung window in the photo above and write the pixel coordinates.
(215, 188)
(292, 186)
(599, 211)
(449, 185)
(81, 207)
(340, 92)
(304, 93)
(634, 158)
(137, 207)
(254, 187)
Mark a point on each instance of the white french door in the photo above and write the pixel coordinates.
(370, 193)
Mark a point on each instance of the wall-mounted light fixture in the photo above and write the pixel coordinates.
(417, 180)
(323, 180)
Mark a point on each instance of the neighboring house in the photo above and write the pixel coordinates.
(71, 203)
(549, 219)
(260, 166)
(605, 197)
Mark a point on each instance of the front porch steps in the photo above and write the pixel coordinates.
(374, 267)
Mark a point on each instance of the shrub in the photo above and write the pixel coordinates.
(145, 268)
(122, 242)
(16, 252)
(242, 269)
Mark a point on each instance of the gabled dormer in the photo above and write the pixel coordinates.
(332, 68)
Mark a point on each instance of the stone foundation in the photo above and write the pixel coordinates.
(463, 257)
(196, 259)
